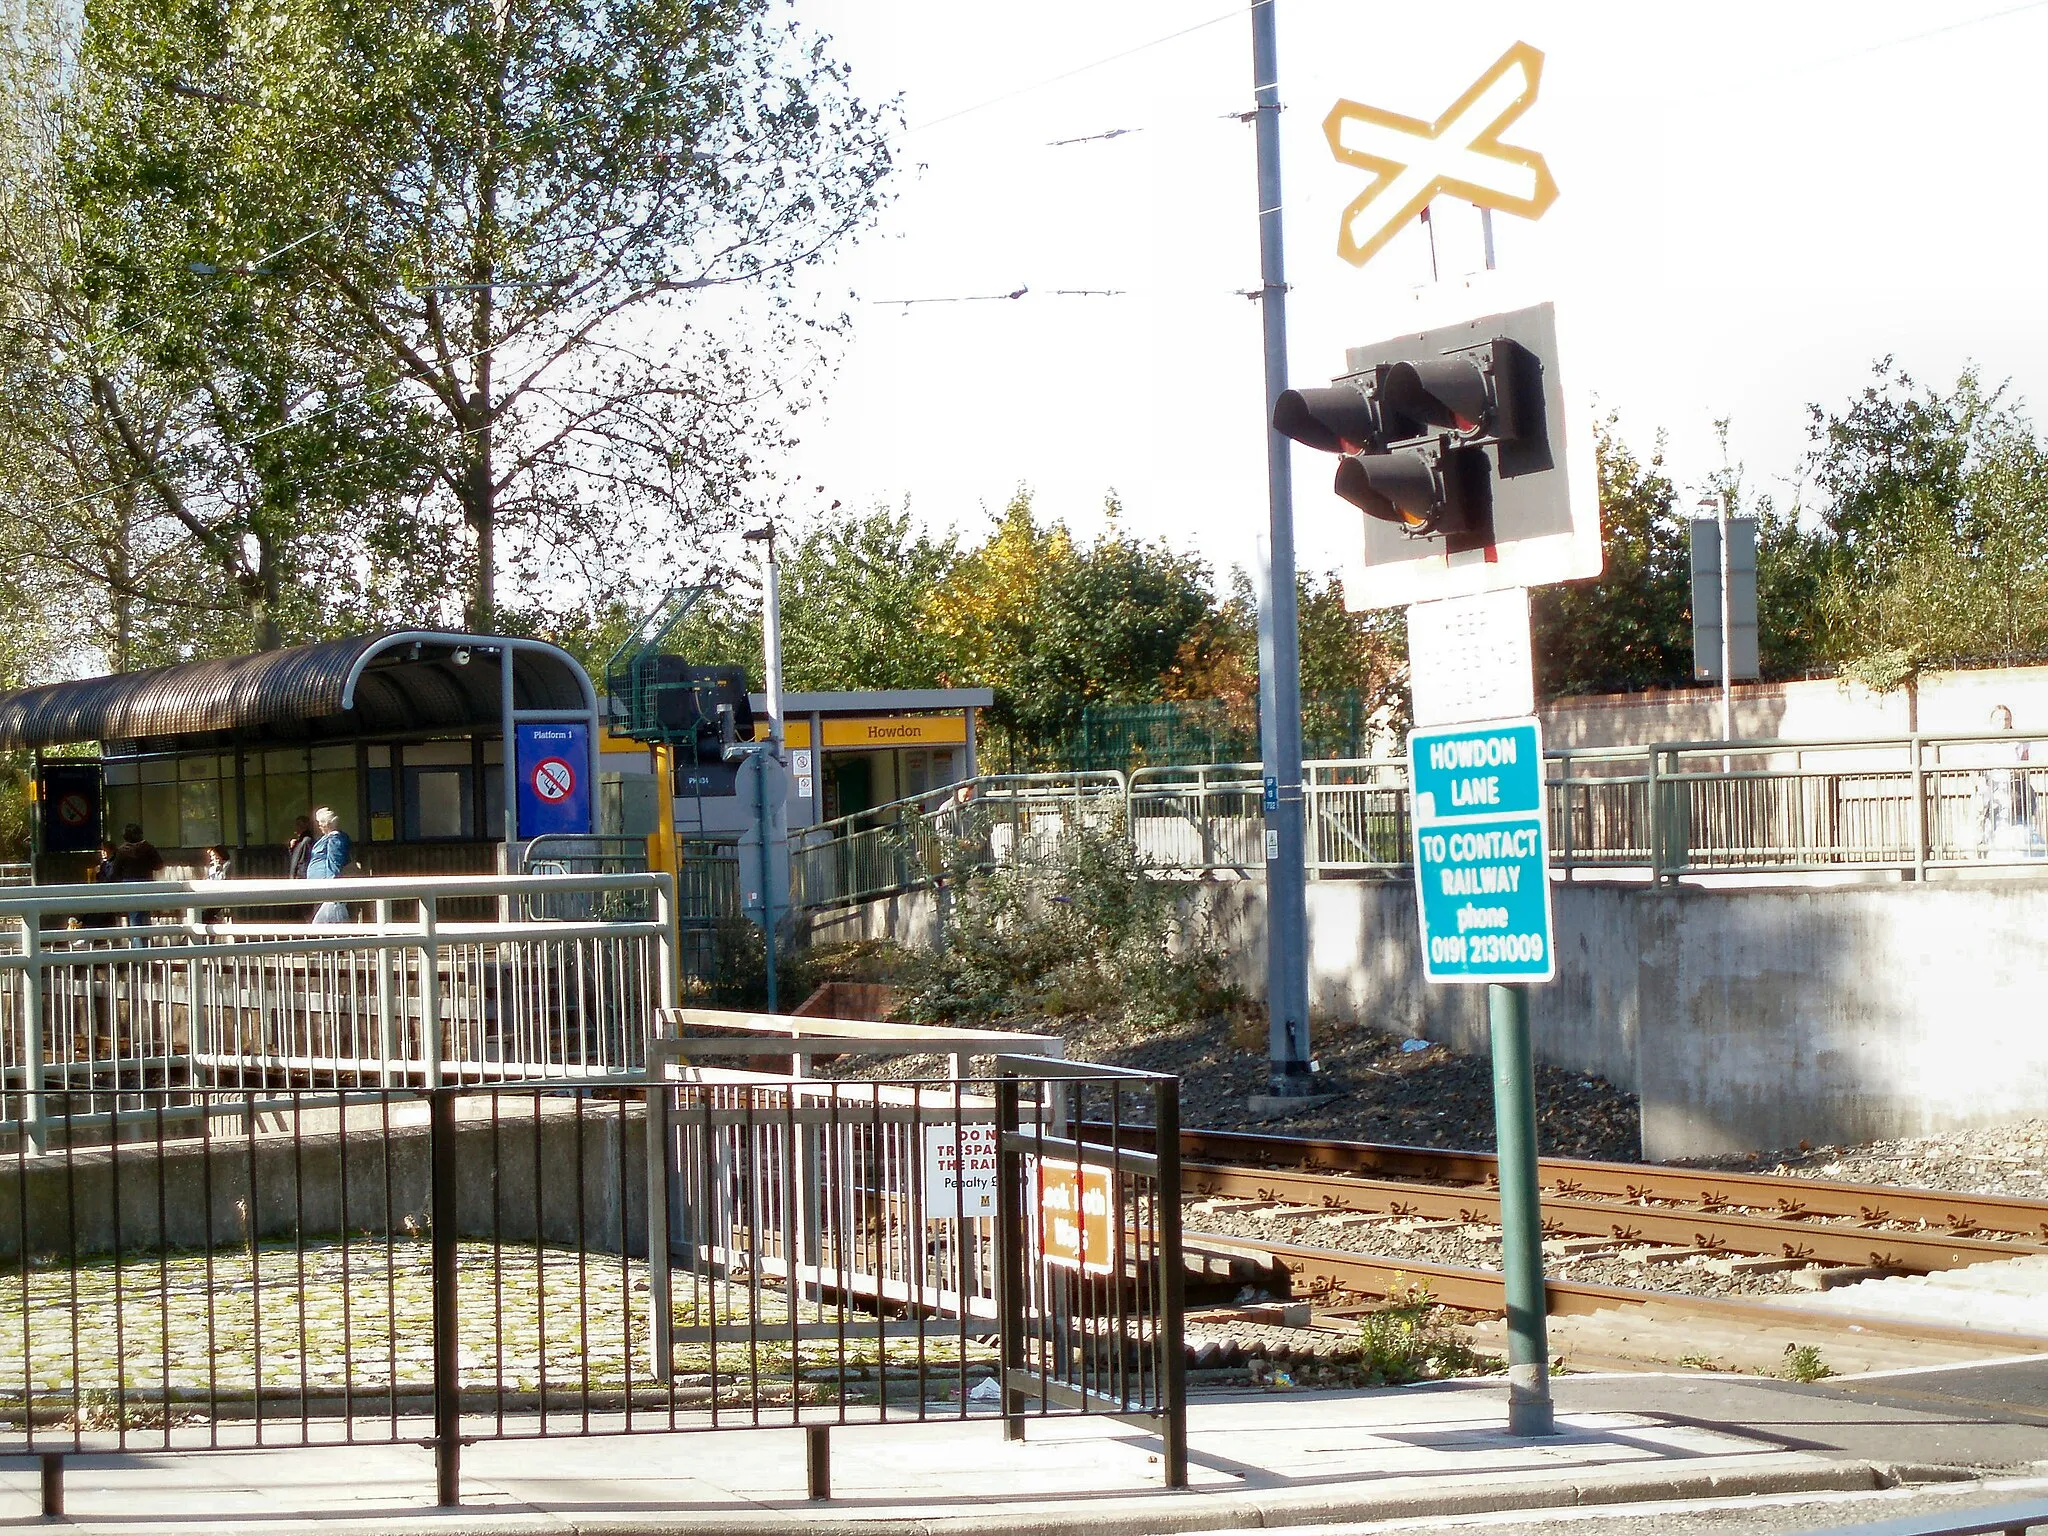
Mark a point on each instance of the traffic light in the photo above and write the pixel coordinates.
(1413, 436)
(689, 702)
(1452, 443)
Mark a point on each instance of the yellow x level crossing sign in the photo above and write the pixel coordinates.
(1459, 155)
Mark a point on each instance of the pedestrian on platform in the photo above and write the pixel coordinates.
(330, 855)
(218, 867)
(102, 873)
(300, 848)
(2006, 802)
(136, 859)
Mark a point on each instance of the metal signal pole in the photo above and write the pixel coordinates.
(1279, 635)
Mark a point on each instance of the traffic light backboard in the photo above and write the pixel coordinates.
(1472, 466)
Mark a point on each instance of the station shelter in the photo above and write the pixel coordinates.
(403, 733)
(848, 752)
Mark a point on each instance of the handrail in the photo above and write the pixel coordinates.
(1912, 802)
(169, 895)
(936, 799)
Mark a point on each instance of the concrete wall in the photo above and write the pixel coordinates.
(1745, 1019)
(195, 1197)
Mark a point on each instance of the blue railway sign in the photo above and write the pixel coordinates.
(1482, 855)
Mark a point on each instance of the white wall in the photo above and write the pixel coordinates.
(1822, 709)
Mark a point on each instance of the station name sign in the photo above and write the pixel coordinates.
(1482, 855)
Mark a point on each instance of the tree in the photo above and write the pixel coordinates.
(1629, 627)
(507, 217)
(1354, 665)
(79, 538)
(1933, 537)
(1054, 626)
(855, 594)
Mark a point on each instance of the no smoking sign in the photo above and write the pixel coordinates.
(553, 779)
(74, 810)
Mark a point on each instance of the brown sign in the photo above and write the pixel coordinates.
(1076, 1207)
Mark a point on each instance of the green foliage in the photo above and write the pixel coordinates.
(737, 974)
(1803, 1363)
(1408, 1339)
(1053, 625)
(1933, 528)
(330, 314)
(1629, 627)
(855, 594)
(1067, 924)
(1354, 665)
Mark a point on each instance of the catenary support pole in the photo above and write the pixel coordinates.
(1521, 1219)
(1287, 1045)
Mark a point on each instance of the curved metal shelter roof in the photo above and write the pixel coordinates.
(400, 682)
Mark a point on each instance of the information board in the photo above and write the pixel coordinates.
(1075, 1205)
(1482, 853)
(1469, 658)
(554, 779)
(960, 1169)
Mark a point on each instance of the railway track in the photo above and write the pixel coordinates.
(1778, 1220)
(1737, 1223)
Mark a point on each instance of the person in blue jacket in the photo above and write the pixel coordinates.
(331, 853)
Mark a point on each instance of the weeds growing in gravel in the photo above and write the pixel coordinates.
(1803, 1363)
(1408, 1340)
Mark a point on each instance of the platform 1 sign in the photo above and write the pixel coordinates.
(1482, 855)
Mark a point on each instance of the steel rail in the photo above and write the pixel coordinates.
(1321, 1271)
(1798, 1203)
(1709, 1231)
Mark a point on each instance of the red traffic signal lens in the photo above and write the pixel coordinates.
(1340, 419)
(1398, 488)
(1444, 392)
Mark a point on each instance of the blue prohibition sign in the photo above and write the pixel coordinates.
(1482, 855)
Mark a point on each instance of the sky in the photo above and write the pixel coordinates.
(1756, 201)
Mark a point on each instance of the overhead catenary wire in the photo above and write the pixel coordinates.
(1078, 69)
(1022, 290)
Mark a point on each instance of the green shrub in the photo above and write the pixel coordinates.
(1803, 1363)
(1066, 923)
(1409, 1339)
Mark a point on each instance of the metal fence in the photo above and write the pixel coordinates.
(1917, 806)
(297, 1268)
(947, 1234)
(107, 996)
(707, 888)
(907, 843)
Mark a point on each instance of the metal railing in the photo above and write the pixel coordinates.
(1913, 805)
(704, 1248)
(904, 844)
(109, 995)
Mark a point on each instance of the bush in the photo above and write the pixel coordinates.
(1408, 1340)
(1062, 923)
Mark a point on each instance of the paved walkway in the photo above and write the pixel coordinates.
(1267, 1461)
